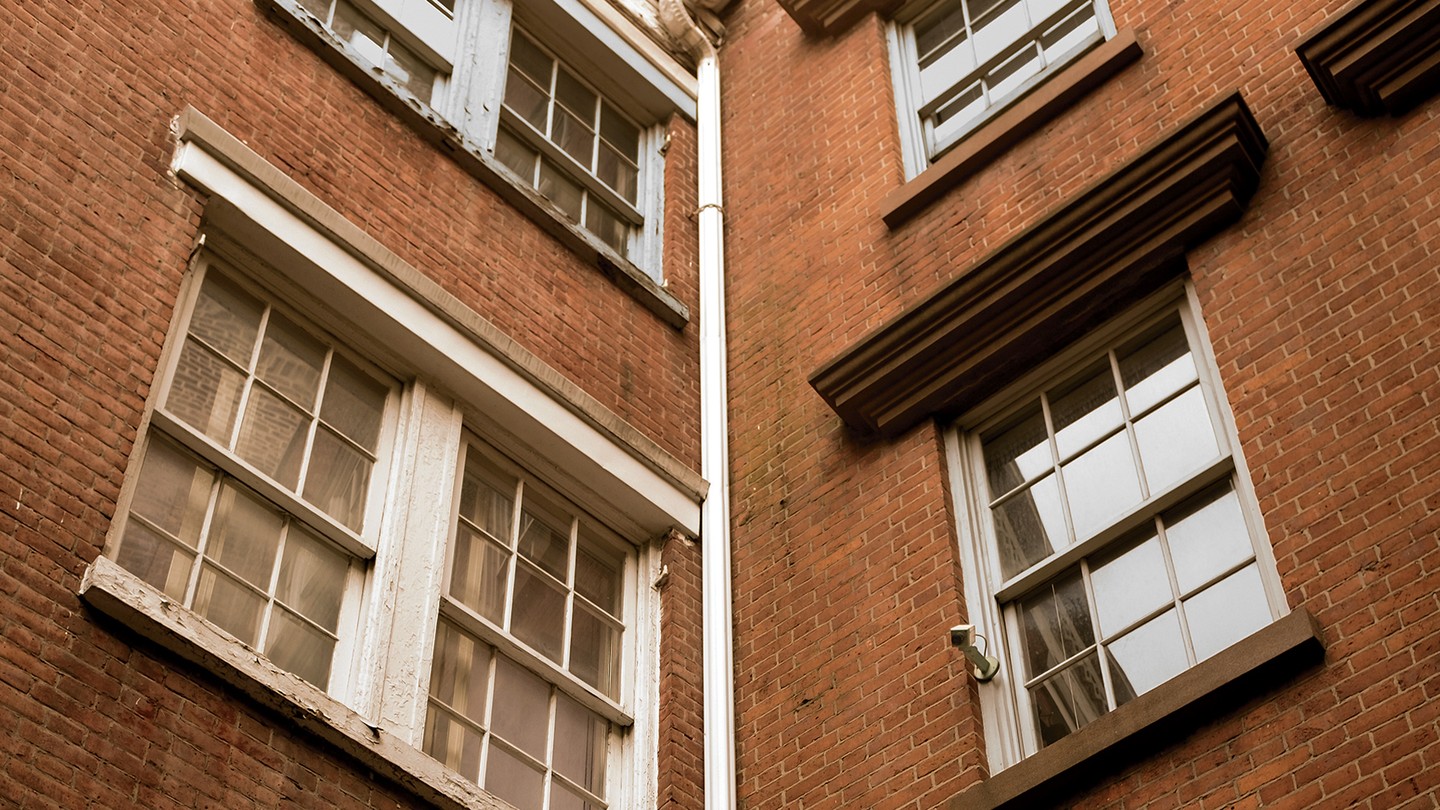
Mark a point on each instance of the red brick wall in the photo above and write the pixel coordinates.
(94, 238)
(1322, 305)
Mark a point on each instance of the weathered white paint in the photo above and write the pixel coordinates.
(118, 594)
(590, 460)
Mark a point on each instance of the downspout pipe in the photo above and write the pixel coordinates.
(718, 679)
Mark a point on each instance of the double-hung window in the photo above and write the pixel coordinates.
(562, 137)
(257, 498)
(589, 146)
(957, 62)
(526, 683)
(1110, 531)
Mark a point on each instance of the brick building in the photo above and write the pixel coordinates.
(1121, 321)
(363, 438)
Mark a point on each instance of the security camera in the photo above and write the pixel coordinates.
(963, 636)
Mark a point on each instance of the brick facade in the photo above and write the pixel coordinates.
(1320, 304)
(96, 234)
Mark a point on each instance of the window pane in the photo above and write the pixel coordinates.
(174, 491)
(354, 403)
(545, 535)
(227, 318)
(290, 361)
(572, 135)
(620, 133)
(1227, 611)
(1030, 526)
(538, 612)
(1018, 455)
(245, 536)
(453, 743)
(996, 25)
(1070, 33)
(526, 100)
(963, 109)
(1159, 366)
(560, 190)
(1068, 701)
(156, 559)
(530, 60)
(564, 798)
(940, 27)
(617, 172)
(595, 651)
(522, 708)
(487, 497)
(478, 574)
(580, 743)
(205, 392)
(605, 224)
(320, 8)
(1012, 74)
(312, 578)
(300, 648)
(1207, 536)
(1130, 586)
(597, 575)
(1146, 657)
(338, 478)
(576, 97)
(515, 155)
(515, 781)
(1176, 440)
(1086, 412)
(1101, 484)
(1055, 624)
(230, 605)
(273, 436)
(460, 676)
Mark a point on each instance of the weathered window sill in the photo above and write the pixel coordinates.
(426, 123)
(1134, 730)
(118, 594)
(1012, 125)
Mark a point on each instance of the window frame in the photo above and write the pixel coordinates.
(1009, 732)
(619, 712)
(919, 148)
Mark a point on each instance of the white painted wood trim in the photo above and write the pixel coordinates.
(526, 398)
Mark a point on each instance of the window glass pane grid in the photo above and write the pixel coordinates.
(992, 50)
(268, 428)
(524, 766)
(595, 140)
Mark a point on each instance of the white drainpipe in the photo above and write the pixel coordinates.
(719, 682)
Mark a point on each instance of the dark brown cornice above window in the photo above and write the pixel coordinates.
(1376, 56)
(1120, 239)
(831, 17)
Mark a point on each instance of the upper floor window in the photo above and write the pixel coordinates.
(957, 62)
(471, 63)
(1112, 536)
(565, 139)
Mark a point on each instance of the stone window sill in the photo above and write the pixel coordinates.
(1012, 125)
(119, 595)
(1128, 734)
(426, 123)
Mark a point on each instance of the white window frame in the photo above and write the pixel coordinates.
(1009, 733)
(919, 146)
